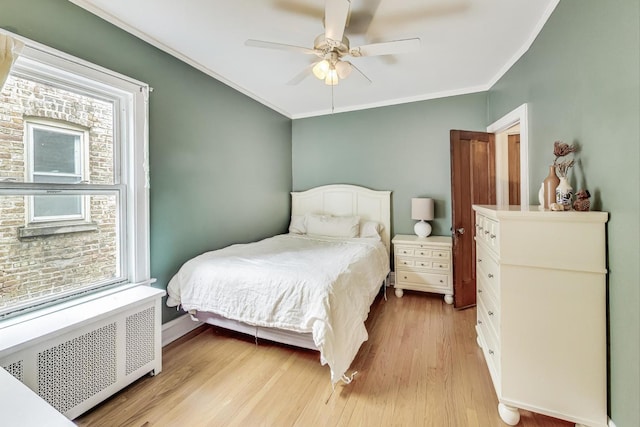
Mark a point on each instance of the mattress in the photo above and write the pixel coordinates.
(307, 284)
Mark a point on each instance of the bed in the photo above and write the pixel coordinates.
(311, 288)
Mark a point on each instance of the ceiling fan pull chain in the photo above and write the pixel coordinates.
(332, 106)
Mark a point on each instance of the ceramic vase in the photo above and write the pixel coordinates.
(564, 193)
(541, 196)
(550, 183)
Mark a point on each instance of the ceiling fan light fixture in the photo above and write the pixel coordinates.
(321, 69)
(332, 78)
(343, 68)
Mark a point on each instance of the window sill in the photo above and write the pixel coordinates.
(53, 229)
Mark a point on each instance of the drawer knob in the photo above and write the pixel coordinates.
(490, 276)
(493, 236)
(479, 322)
(441, 281)
(405, 277)
(491, 352)
(486, 231)
(479, 291)
(481, 228)
(490, 313)
(479, 259)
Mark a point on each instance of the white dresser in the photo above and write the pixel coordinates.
(541, 313)
(423, 264)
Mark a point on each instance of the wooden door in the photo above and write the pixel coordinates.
(513, 155)
(473, 181)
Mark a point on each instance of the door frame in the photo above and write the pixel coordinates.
(517, 116)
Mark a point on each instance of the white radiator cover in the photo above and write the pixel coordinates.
(77, 357)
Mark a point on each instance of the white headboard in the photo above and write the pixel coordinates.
(346, 200)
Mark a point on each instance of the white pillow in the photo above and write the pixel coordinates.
(332, 226)
(371, 229)
(297, 225)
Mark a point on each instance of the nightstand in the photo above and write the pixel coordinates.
(423, 264)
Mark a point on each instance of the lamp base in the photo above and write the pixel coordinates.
(422, 229)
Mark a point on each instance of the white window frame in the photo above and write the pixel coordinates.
(131, 126)
(81, 161)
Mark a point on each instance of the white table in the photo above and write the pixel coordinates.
(21, 407)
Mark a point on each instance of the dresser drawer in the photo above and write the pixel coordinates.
(488, 231)
(491, 350)
(489, 312)
(487, 270)
(425, 279)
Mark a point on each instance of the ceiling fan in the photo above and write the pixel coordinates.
(332, 47)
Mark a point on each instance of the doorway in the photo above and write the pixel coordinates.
(502, 133)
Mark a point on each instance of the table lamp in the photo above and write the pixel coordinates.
(422, 210)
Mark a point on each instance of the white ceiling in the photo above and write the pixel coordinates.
(466, 45)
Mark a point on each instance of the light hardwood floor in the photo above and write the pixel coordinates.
(420, 367)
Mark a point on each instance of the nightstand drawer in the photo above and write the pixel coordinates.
(403, 263)
(432, 280)
(404, 251)
(440, 254)
(439, 265)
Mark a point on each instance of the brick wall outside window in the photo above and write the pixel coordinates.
(38, 266)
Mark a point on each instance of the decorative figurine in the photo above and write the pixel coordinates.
(582, 202)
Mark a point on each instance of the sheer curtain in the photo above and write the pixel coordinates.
(10, 49)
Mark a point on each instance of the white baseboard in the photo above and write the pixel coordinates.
(610, 423)
(174, 329)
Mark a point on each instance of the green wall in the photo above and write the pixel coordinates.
(216, 180)
(403, 148)
(220, 162)
(581, 82)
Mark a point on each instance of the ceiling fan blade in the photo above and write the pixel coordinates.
(302, 74)
(335, 19)
(361, 73)
(296, 7)
(280, 46)
(386, 48)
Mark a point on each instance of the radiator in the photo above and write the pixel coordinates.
(77, 357)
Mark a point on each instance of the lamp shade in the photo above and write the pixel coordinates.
(422, 209)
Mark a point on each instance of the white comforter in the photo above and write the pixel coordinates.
(323, 286)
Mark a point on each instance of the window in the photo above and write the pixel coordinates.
(56, 155)
(73, 184)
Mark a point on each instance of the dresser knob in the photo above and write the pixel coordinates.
(486, 231)
(441, 281)
(479, 322)
(479, 291)
(490, 276)
(490, 313)
(405, 277)
(491, 352)
(479, 259)
(493, 236)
